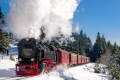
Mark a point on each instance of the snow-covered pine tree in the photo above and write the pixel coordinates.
(3, 34)
(97, 48)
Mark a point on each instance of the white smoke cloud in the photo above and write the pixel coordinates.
(77, 28)
(26, 17)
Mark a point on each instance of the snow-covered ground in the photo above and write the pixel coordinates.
(82, 72)
(7, 67)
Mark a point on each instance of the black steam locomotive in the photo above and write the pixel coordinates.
(32, 52)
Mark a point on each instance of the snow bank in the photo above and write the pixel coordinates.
(82, 72)
(7, 67)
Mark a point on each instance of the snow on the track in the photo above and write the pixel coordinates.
(82, 72)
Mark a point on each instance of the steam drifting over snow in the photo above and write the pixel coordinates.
(26, 17)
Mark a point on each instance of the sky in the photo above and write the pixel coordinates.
(99, 16)
(93, 16)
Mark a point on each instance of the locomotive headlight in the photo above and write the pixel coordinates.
(19, 59)
(27, 39)
(32, 59)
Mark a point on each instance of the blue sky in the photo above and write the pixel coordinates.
(5, 6)
(93, 16)
(100, 16)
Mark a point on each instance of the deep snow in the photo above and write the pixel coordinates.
(82, 72)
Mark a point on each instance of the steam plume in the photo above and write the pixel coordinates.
(26, 17)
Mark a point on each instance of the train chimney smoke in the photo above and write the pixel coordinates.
(26, 17)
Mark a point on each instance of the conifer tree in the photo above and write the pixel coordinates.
(3, 34)
(81, 43)
(42, 36)
(1, 18)
(75, 44)
(89, 48)
(114, 71)
(97, 48)
(109, 45)
(115, 50)
(104, 46)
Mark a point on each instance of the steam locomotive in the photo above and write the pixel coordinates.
(37, 57)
